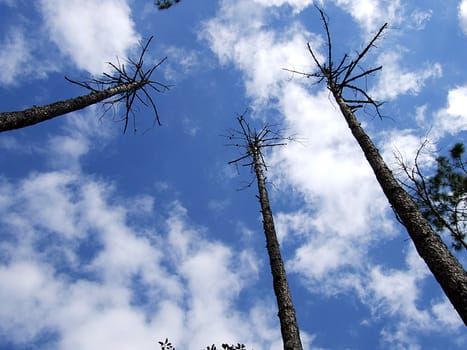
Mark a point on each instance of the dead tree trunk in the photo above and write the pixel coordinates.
(129, 83)
(289, 327)
(38, 114)
(288, 321)
(442, 263)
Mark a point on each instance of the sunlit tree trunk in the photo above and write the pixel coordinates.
(288, 321)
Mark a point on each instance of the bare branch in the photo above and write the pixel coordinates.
(364, 52)
(339, 78)
(325, 20)
(251, 140)
(358, 76)
(120, 74)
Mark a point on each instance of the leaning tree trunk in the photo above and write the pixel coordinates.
(445, 267)
(34, 115)
(288, 320)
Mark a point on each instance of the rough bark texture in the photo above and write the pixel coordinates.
(34, 115)
(445, 267)
(288, 321)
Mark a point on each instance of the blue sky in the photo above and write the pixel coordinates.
(112, 241)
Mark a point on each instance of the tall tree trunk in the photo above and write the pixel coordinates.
(34, 115)
(288, 321)
(445, 267)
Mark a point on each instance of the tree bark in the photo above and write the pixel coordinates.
(34, 115)
(287, 317)
(443, 264)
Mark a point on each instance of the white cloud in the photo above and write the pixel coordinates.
(395, 80)
(27, 301)
(298, 5)
(446, 315)
(420, 114)
(132, 287)
(181, 63)
(453, 118)
(12, 144)
(288, 224)
(397, 292)
(463, 15)
(403, 145)
(316, 166)
(218, 205)
(80, 131)
(343, 203)
(372, 14)
(420, 17)
(14, 56)
(91, 33)
(237, 36)
(53, 188)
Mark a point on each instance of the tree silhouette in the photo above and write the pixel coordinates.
(165, 4)
(167, 345)
(252, 142)
(129, 84)
(342, 81)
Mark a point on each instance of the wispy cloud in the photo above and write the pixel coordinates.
(80, 131)
(14, 56)
(296, 5)
(463, 15)
(396, 80)
(420, 17)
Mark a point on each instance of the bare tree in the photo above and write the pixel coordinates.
(342, 81)
(127, 83)
(253, 141)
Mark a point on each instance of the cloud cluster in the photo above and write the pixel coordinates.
(94, 277)
(91, 277)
